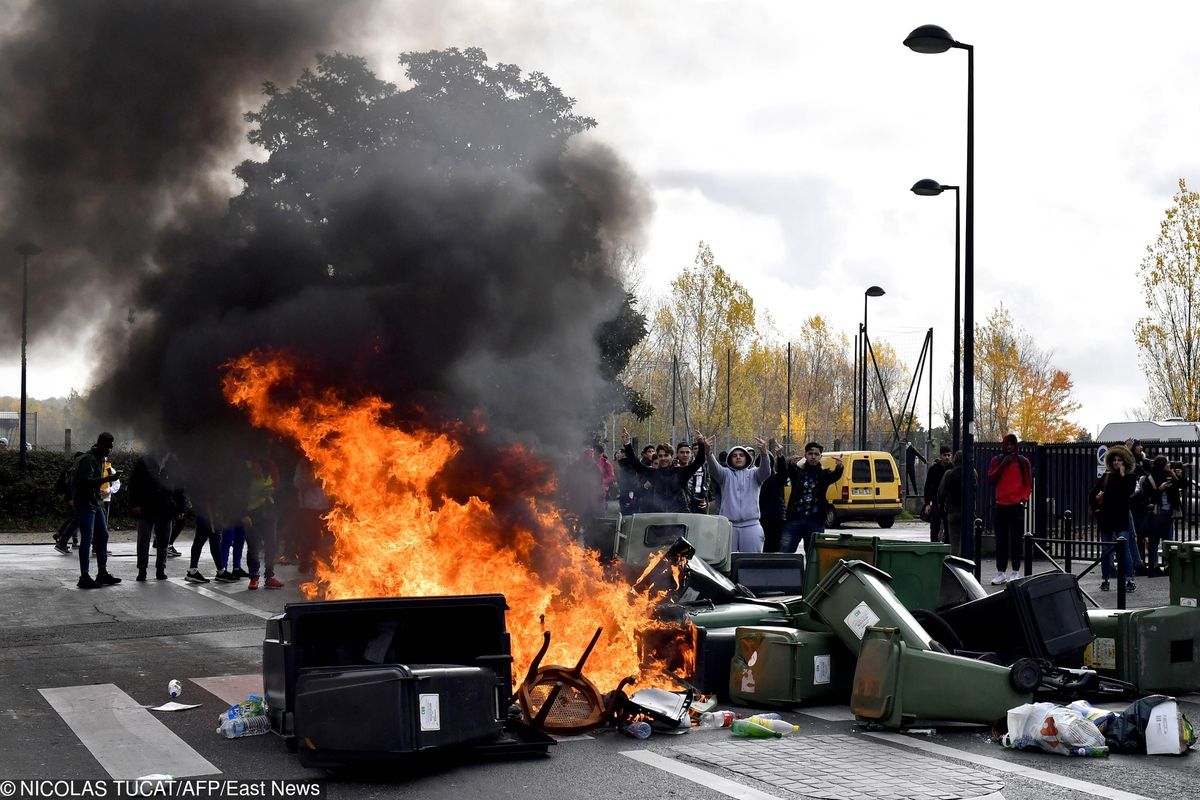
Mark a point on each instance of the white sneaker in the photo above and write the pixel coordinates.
(999, 579)
(1014, 575)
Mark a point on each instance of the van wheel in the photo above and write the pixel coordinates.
(886, 522)
(831, 520)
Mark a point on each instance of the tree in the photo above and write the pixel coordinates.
(1168, 338)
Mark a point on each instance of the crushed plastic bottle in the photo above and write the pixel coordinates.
(777, 725)
(717, 719)
(1095, 751)
(252, 706)
(637, 730)
(244, 726)
(752, 730)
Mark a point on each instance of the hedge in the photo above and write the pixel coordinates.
(28, 502)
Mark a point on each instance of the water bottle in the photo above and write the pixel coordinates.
(1096, 751)
(777, 725)
(767, 715)
(244, 726)
(637, 730)
(716, 719)
(752, 730)
(252, 706)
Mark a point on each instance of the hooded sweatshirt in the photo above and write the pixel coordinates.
(739, 487)
(1012, 475)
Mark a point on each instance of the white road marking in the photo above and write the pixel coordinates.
(999, 765)
(232, 688)
(696, 775)
(221, 597)
(829, 713)
(122, 735)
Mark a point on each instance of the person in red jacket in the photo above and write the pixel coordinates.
(1011, 474)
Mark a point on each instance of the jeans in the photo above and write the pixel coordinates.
(797, 532)
(1010, 530)
(92, 527)
(232, 542)
(1106, 566)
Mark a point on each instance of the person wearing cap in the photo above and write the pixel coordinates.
(3, 442)
(1011, 475)
(739, 492)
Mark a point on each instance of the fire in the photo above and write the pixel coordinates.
(398, 533)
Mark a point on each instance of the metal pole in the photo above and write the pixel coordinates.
(728, 390)
(674, 392)
(957, 388)
(968, 409)
(929, 402)
(787, 434)
(854, 400)
(21, 465)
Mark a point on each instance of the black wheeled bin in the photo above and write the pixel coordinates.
(1041, 616)
(959, 584)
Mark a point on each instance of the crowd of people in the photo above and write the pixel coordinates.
(262, 516)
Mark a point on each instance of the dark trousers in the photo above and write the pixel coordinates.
(938, 529)
(205, 533)
(773, 532)
(1010, 528)
(261, 545)
(310, 534)
(160, 527)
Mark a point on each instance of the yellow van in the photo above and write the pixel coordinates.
(868, 489)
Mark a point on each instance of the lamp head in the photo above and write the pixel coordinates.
(927, 187)
(28, 249)
(929, 39)
(874, 291)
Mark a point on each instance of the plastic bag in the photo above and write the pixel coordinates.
(1097, 716)
(1050, 727)
(1128, 732)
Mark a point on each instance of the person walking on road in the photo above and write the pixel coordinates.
(739, 491)
(1011, 475)
(89, 513)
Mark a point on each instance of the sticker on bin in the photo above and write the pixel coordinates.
(1187, 602)
(1101, 653)
(861, 618)
(431, 717)
(821, 670)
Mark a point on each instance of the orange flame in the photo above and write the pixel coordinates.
(396, 533)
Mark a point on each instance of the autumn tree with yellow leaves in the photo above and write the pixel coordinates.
(1168, 338)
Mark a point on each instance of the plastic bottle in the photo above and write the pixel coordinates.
(1098, 751)
(752, 730)
(244, 726)
(716, 719)
(767, 715)
(252, 706)
(637, 730)
(777, 725)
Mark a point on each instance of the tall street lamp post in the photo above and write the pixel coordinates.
(25, 249)
(872, 291)
(933, 39)
(931, 188)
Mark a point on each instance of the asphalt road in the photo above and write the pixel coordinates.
(77, 669)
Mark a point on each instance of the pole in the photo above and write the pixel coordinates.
(957, 388)
(728, 392)
(787, 433)
(21, 465)
(968, 378)
(674, 392)
(929, 401)
(854, 401)
(862, 445)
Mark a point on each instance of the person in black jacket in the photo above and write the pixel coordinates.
(152, 502)
(1110, 499)
(933, 508)
(807, 503)
(1161, 488)
(667, 482)
(772, 510)
(85, 497)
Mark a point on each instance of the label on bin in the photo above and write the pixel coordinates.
(431, 716)
(861, 618)
(820, 670)
(1187, 602)
(1101, 653)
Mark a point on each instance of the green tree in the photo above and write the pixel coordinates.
(1168, 337)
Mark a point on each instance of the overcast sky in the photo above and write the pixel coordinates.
(787, 136)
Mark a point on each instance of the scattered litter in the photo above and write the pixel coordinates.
(1153, 725)
(174, 688)
(921, 731)
(1050, 727)
(173, 706)
(637, 730)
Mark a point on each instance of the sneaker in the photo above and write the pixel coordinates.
(1130, 586)
(238, 572)
(273, 583)
(999, 579)
(224, 576)
(141, 576)
(1104, 586)
(1014, 575)
(65, 549)
(172, 552)
(161, 575)
(86, 582)
(194, 576)
(105, 579)
(253, 583)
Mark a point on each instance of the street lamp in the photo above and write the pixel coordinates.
(931, 188)
(933, 39)
(872, 291)
(25, 249)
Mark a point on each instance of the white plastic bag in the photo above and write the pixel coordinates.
(1050, 727)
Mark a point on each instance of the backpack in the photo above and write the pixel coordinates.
(64, 485)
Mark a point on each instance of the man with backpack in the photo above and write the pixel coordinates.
(85, 498)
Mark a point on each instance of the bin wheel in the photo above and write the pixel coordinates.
(886, 522)
(937, 627)
(831, 520)
(1025, 675)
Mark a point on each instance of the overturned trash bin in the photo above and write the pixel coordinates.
(1155, 649)
(1041, 616)
(854, 596)
(786, 667)
(895, 684)
(959, 584)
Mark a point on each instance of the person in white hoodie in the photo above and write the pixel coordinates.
(740, 484)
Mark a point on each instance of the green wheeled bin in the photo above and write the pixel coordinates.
(854, 596)
(1155, 649)
(786, 667)
(1183, 568)
(895, 685)
(915, 567)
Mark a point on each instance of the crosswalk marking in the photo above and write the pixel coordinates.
(122, 735)
(696, 775)
(225, 599)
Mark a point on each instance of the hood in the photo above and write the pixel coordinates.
(1118, 450)
(745, 451)
(1012, 437)
(956, 461)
